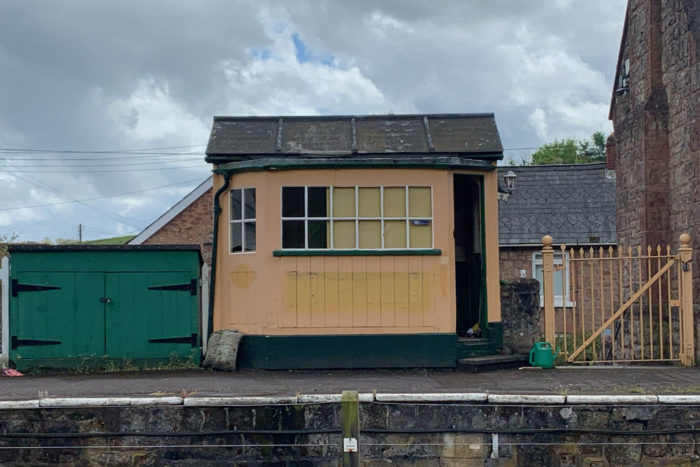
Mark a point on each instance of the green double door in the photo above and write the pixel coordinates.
(79, 315)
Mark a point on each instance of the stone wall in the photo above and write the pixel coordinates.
(657, 128)
(421, 434)
(521, 315)
(194, 225)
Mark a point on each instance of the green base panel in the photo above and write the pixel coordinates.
(106, 363)
(347, 351)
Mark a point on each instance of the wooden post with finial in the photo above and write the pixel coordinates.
(548, 289)
(685, 252)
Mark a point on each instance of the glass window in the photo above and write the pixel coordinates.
(560, 291)
(242, 220)
(362, 218)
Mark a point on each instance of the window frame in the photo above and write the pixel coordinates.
(559, 301)
(242, 221)
(331, 219)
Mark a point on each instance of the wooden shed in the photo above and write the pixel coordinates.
(94, 305)
(356, 241)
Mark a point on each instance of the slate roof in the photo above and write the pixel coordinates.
(575, 204)
(463, 135)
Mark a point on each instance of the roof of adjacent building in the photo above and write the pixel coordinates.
(463, 135)
(575, 204)
(171, 213)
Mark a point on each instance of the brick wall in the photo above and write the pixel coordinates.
(512, 260)
(193, 225)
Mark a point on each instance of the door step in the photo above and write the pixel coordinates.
(491, 363)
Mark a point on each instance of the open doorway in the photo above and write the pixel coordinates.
(469, 258)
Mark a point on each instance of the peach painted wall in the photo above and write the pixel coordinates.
(258, 293)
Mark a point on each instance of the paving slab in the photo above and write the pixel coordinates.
(206, 383)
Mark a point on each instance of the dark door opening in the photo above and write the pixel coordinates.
(468, 252)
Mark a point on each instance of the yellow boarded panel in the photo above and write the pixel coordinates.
(395, 202)
(415, 291)
(345, 299)
(373, 291)
(386, 279)
(370, 234)
(344, 234)
(303, 292)
(394, 234)
(331, 291)
(343, 202)
(369, 202)
(401, 291)
(318, 287)
(359, 291)
(419, 202)
(288, 317)
(421, 236)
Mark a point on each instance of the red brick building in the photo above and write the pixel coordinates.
(187, 222)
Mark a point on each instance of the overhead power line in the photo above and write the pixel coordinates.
(103, 197)
(109, 151)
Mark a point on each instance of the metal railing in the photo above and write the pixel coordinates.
(620, 306)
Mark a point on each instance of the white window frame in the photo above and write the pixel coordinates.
(243, 220)
(357, 218)
(557, 261)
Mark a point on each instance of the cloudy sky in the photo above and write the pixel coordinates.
(106, 106)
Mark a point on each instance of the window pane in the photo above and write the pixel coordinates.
(293, 234)
(395, 202)
(293, 201)
(249, 236)
(344, 234)
(235, 205)
(249, 212)
(318, 201)
(421, 234)
(343, 202)
(369, 203)
(556, 279)
(394, 234)
(318, 234)
(236, 240)
(370, 234)
(419, 202)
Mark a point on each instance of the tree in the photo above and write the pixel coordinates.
(570, 151)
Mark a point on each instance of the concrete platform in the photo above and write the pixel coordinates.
(599, 380)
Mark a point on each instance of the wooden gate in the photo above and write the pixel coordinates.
(607, 305)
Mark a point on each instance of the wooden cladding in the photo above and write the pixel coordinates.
(357, 292)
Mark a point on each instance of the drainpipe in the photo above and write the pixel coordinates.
(214, 241)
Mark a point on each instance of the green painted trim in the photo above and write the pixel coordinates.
(483, 163)
(406, 252)
(347, 351)
(484, 312)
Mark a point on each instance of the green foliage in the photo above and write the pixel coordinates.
(5, 239)
(570, 151)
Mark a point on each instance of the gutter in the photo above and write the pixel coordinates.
(214, 248)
